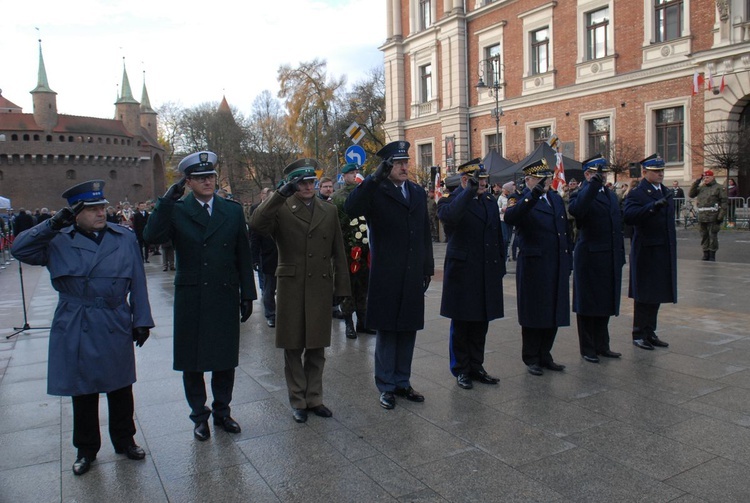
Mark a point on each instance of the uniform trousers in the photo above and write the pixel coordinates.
(537, 345)
(357, 303)
(393, 356)
(303, 369)
(269, 296)
(86, 435)
(644, 320)
(593, 334)
(143, 245)
(710, 235)
(467, 346)
(222, 384)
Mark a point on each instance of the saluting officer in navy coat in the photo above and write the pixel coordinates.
(214, 284)
(97, 269)
(401, 267)
(473, 272)
(311, 271)
(543, 267)
(649, 208)
(597, 261)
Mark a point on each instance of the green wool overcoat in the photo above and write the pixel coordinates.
(312, 267)
(214, 271)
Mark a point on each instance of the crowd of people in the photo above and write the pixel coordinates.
(365, 251)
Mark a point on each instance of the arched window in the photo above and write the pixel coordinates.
(70, 174)
(14, 137)
(62, 138)
(1, 175)
(113, 174)
(25, 137)
(109, 140)
(36, 137)
(49, 137)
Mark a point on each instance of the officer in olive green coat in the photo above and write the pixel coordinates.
(214, 284)
(711, 200)
(312, 268)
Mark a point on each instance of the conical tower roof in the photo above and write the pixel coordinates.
(145, 102)
(126, 96)
(224, 106)
(42, 86)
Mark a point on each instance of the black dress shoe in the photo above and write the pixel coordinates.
(271, 323)
(387, 400)
(534, 369)
(82, 465)
(201, 431)
(299, 415)
(132, 452)
(609, 354)
(557, 367)
(321, 410)
(655, 341)
(410, 394)
(591, 359)
(643, 344)
(464, 381)
(361, 329)
(483, 377)
(227, 424)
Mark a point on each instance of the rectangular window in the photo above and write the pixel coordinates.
(668, 19)
(425, 79)
(494, 142)
(541, 134)
(597, 24)
(598, 137)
(425, 156)
(670, 128)
(492, 65)
(540, 51)
(425, 14)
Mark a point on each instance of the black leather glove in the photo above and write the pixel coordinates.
(473, 182)
(538, 190)
(246, 309)
(661, 203)
(140, 334)
(290, 187)
(383, 170)
(596, 178)
(66, 216)
(426, 283)
(176, 191)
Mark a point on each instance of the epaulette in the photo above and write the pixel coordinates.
(446, 195)
(125, 227)
(233, 201)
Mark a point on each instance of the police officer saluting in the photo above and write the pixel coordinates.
(649, 208)
(544, 265)
(96, 268)
(597, 261)
(711, 200)
(474, 268)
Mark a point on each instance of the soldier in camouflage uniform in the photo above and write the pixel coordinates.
(354, 231)
(711, 200)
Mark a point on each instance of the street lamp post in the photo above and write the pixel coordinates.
(492, 67)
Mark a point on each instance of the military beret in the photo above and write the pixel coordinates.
(348, 167)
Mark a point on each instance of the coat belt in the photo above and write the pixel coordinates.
(95, 302)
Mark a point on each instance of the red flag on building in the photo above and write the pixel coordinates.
(721, 87)
(697, 82)
(710, 80)
(558, 179)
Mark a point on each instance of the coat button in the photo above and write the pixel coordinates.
(309, 254)
(205, 284)
(309, 275)
(325, 275)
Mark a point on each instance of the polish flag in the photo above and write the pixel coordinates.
(710, 81)
(438, 189)
(697, 82)
(721, 87)
(558, 179)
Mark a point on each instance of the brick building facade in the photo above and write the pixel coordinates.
(43, 153)
(610, 76)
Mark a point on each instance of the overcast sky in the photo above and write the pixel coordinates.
(192, 52)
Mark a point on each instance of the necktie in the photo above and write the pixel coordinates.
(207, 208)
(404, 191)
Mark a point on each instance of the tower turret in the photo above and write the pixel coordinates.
(44, 98)
(127, 109)
(148, 114)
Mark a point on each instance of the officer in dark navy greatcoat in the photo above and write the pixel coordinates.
(597, 261)
(401, 267)
(543, 267)
(649, 208)
(473, 272)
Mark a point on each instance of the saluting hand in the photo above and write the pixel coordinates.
(66, 216)
(291, 186)
(176, 191)
(383, 170)
(538, 190)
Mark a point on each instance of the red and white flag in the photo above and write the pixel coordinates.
(721, 87)
(697, 82)
(710, 80)
(558, 179)
(438, 188)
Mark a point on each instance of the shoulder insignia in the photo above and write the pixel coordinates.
(125, 227)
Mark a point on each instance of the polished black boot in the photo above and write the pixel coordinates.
(706, 255)
(351, 333)
(712, 256)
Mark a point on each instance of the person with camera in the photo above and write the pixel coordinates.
(97, 270)
(473, 272)
(544, 266)
(598, 258)
(214, 286)
(311, 270)
(649, 208)
(401, 267)
(711, 200)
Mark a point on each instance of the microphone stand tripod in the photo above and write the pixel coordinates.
(25, 326)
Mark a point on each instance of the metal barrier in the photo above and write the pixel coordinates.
(738, 213)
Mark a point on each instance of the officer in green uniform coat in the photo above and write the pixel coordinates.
(214, 281)
(357, 245)
(711, 200)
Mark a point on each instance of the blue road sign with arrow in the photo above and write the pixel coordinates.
(355, 154)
